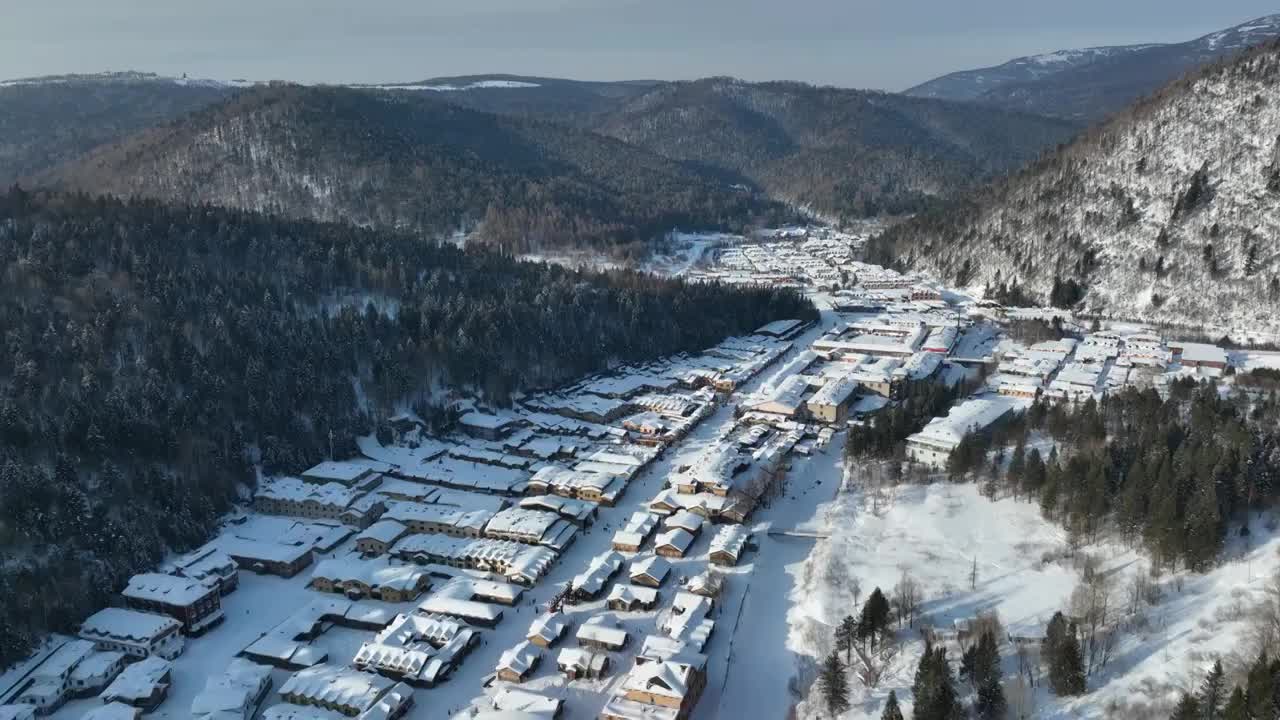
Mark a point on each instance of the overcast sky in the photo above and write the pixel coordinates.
(889, 44)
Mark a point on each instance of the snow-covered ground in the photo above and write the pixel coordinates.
(1025, 573)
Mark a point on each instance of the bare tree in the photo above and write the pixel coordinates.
(1091, 606)
(906, 599)
(869, 665)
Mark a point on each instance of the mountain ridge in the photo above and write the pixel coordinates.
(1167, 212)
(1095, 84)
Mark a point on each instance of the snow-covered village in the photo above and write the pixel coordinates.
(579, 360)
(700, 536)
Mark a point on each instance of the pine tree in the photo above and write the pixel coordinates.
(990, 704)
(891, 709)
(874, 621)
(846, 636)
(1017, 466)
(1066, 668)
(1237, 706)
(1204, 525)
(1187, 708)
(935, 688)
(834, 684)
(1260, 688)
(1053, 636)
(1213, 693)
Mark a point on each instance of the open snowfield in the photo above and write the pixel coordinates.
(937, 531)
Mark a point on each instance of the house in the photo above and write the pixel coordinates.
(144, 684)
(637, 529)
(379, 537)
(650, 571)
(531, 527)
(378, 578)
(707, 584)
(417, 649)
(94, 672)
(486, 426)
(208, 565)
(196, 605)
(346, 691)
(436, 518)
(512, 703)
(519, 662)
(632, 598)
(831, 403)
(582, 664)
(588, 584)
(669, 685)
(268, 558)
(933, 445)
(330, 501)
(547, 629)
(728, 545)
(1199, 355)
(458, 599)
(685, 520)
(595, 634)
(361, 474)
(578, 512)
(786, 399)
(673, 543)
(236, 693)
(50, 682)
(137, 634)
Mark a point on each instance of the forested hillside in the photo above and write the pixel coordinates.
(48, 122)
(154, 353)
(1169, 212)
(842, 153)
(412, 161)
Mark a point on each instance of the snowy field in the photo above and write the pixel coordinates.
(1024, 573)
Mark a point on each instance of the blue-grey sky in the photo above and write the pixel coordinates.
(889, 44)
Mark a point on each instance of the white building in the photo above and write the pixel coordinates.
(933, 445)
(134, 633)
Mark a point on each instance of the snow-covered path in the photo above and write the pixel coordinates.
(762, 664)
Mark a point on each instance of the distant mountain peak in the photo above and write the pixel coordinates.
(1088, 84)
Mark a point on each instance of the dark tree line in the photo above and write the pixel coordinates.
(154, 354)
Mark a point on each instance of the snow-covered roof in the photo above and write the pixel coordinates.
(595, 631)
(137, 682)
(335, 685)
(121, 625)
(628, 594)
(383, 531)
(598, 572)
(232, 693)
(835, 392)
(678, 539)
(521, 658)
(651, 566)
(549, 626)
(968, 416)
(375, 573)
(730, 539)
(63, 660)
(518, 700)
(685, 520)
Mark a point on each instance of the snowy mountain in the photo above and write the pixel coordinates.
(1168, 212)
(973, 84)
(1092, 83)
